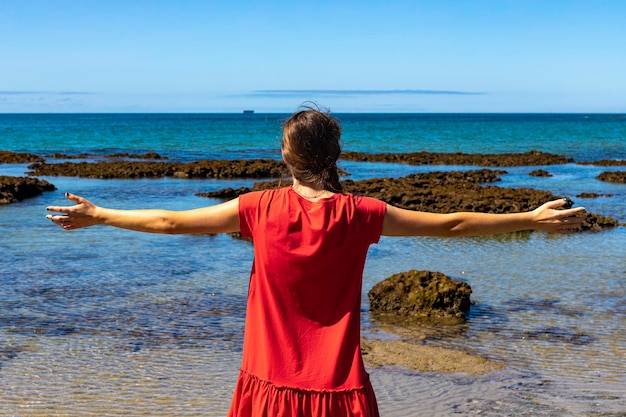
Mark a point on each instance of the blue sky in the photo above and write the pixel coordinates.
(349, 56)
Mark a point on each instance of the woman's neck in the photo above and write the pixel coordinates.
(309, 191)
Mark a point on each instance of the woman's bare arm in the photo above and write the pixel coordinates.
(221, 218)
(401, 222)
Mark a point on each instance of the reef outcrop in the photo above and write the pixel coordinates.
(7, 157)
(613, 176)
(254, 168)
(530, 158)
(605, 162)
(14, 189)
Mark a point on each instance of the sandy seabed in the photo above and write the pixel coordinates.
(424, 358)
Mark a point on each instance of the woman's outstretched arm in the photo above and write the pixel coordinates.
(221, 218)
(401, 222)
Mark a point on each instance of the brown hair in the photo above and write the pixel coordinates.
(311, 148)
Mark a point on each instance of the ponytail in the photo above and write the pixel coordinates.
(311, 148)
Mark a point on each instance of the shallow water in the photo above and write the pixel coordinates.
(114, 323)
(110, 322)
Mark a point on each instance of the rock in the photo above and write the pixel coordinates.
(421, 294)
(7, 157)
(446, 192)
(615, 176)
(539, 173)
(531, 158)
(230, 193)
(119, 155)
(255, 168)
(605, 162)
(596, 223)
(593, 195)
(14, 189)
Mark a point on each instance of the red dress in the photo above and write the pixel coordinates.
(301, 353)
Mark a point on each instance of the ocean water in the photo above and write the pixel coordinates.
(108, 322)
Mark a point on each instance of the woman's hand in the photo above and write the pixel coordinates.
(83, 214)
(547, 218)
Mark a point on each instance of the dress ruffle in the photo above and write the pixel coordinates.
(255, 397)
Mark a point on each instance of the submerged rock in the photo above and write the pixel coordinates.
(557, 335)
(14, 189)
(421, 294)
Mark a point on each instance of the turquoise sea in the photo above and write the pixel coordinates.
(106, 322)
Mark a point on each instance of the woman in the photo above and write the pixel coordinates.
(301, 352)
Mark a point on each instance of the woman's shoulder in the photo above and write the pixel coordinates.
(367, 200)
(269, 193)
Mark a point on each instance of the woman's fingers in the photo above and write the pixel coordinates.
(61, 221)
(73, 217)
(554, 204)
(75, 198)
(66, 209)
(576, 213)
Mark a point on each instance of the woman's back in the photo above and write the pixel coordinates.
(303, 317)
